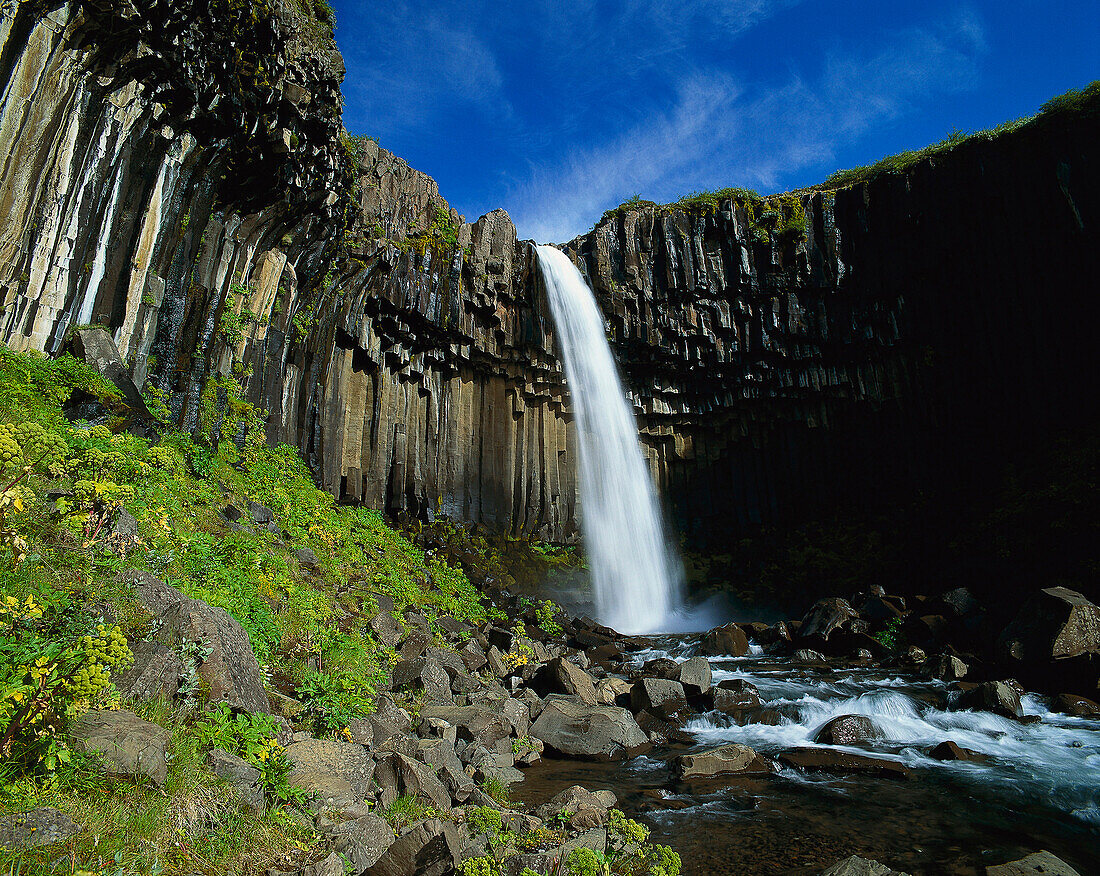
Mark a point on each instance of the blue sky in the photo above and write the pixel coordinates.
(559, 111)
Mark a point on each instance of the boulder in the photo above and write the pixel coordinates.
(1080, 707)
(857, 866)
(659, 730)
(947, 667)
(1055, 624)
(732, 758)
(427, 674)
(585, 809)
(245, 780)
(949, 750)
(847, 730)
(826, 618)
(441, 756)
(399, 774)
(732, 701)
(729, 640)
(841, 763)
(131, 746)
(430, 848)
(661, 667)
(155, 673)
(361, 841)
(230, 672)
(613, 691)
(96, 347)
(568, 727)
(566, 678)
(657, 695)
(38, 827)
(695, 675)
(334, 773)
(1040, 862)
(477, 723)
(998, 697)
(386, 627)
(805, 655)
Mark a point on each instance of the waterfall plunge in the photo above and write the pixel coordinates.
(636, 576)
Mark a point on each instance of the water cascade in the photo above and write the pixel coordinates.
(636, 576)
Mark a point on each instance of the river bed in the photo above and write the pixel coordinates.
(1038, 789)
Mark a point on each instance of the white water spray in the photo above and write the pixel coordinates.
(635, 575)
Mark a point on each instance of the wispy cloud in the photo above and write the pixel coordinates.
(714, 132)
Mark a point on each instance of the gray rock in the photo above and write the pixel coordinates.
(847, 730)
(389, 632)
(399, 774)
(334, 773)
(566, 678)
(585, 809)
(608, 690)
(97, 348)
(729, 640)
(695, 675)
(38, 827)
(362, 841)
(131, 746)
(230, 672)
(805, 655)
(245, 780)
(825, 618)
(440, 755)
(431, 848)
(331, 865)
(857, 866)
(1055, 624)
(571, 728)
(947, 667)
(477, 723)
(1040, 862)
(306, 558)
(473, 656)
(657, 695)
(517, 714)
(732, 758)
(993, 696)
(155, 673)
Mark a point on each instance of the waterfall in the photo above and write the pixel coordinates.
(636, 575)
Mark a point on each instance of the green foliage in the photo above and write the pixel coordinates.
(332, 701)
(496, 789)
(53, 666)
(407, 809)
(628, 853)
(1073, 101)
(441, 233)
(891, 637)
(253, 738)
(484, 819)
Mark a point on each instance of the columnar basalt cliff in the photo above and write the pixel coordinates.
(195, 193)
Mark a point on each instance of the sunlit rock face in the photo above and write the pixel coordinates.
(200, 203)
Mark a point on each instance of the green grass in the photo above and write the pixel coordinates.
(61, 555)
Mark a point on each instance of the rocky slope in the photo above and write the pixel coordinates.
(206, 210)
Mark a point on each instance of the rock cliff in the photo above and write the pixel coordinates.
(195, 194)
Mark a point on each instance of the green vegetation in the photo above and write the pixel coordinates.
(61, 488)
(891, 636)
(1072, 102)
(776, 218)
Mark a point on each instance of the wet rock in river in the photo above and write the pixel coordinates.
(840, 762)
(847, 730)
(1078, 706)
(998, 697)
(732, 758)
(857, 866)
(951, 751)
(1040, 862)
(658, 695)
(568, 727)
(729, 640)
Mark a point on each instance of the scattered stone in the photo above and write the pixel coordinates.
(568, 727)
(657, 695)
(362, 841)
(430, 848)
(729, 640)
(947, 668)
(695, 675)
(949, 750)
(613, 691)
(38, 827)
(847, 730)
(732, 701)
(399, 774)
(307, 559)
(805, 655)
(732, 758)
(1080, 707)
(569, 679)
(131, 746)
(1040, 862)
(857, 866)
(386, 627)
(478, 723)
(825, 618)
(333, 772)
(1054, 624)
(241, 776)
(998, 697)
(841, 762)
(155, 673)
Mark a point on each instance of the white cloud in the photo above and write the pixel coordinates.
(715, 133)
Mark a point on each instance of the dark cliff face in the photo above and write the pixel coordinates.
(931, 326)
(198, 199)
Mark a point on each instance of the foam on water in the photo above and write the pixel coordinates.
(1056, 759)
